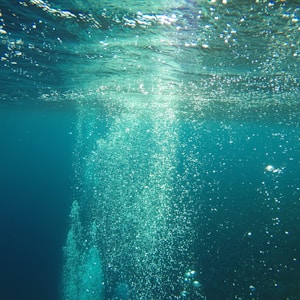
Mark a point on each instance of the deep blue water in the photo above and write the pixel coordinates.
(241, 240)
(149, 150)
(36, 168)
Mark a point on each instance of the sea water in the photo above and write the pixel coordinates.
(149, 150)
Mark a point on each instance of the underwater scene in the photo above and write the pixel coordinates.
(149, 150)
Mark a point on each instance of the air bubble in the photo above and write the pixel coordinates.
(190, 274)
(184, 294)
(269, 168)
(252, 288)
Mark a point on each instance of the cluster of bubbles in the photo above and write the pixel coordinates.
(191, 286)
(272, 169)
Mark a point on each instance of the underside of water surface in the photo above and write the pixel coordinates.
(186, 159)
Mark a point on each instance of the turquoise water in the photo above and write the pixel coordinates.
(150, 150)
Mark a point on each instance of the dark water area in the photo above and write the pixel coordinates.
(149, 150)
(248, 226)
(35, 196)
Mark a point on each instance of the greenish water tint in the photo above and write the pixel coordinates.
(35, 197)
(182, 119)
